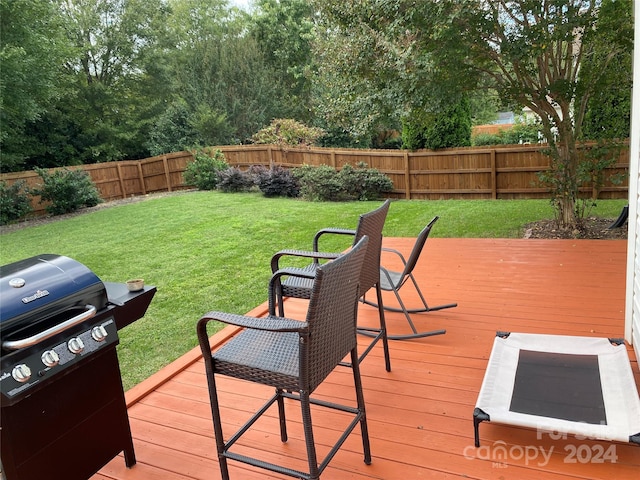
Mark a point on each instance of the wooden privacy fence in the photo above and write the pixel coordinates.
(500, 172)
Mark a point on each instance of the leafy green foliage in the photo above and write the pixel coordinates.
(511, 45)
(173, 130)
(449, 128)
(67, 190)
(608, 109)
(15, 202)
(482, 139)
(518, 134)
(413, 128)
(319, 184)
(203, 171)
(32, 53)
(364, 183)
(284, 31)
(276, 181)
(220, 72)
(234, 180)
(289, 132)
(325, 183)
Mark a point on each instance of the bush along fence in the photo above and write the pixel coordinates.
(500, 172)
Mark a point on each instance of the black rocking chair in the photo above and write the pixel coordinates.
(369, 224)
(393, 281)
(294, 357)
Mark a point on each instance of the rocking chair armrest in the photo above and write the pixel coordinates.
(396, 252)
(275, 259)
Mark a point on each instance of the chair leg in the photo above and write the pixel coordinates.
(217, 427)
(415, 333)
(377, 333)
(283, 422)
(406, 311)
(357, 380)
(383, 329)
(427, 308)
(305, 406)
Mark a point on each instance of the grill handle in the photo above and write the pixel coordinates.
(50, 332)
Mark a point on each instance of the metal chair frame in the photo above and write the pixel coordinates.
(393, 281)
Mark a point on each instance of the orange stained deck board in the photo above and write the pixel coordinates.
(420, 414)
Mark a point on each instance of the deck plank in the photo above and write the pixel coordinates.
(420, 413)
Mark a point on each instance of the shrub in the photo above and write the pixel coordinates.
(324, 183)
(364, 183)
(203, 171)
(284, 131)
(318, 184)
(450, 127)
(275, 181)
(67, 190)
(233, 180)
(14, 202)
(486, 139)
(528, 132)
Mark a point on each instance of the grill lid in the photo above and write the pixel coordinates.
(36, 288)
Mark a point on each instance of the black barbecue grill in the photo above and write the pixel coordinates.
(63, 412)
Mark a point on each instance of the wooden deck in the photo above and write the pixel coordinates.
(420, 414)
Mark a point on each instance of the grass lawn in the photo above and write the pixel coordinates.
(211, 251)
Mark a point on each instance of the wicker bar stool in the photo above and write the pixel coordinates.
(294, 357)
(369, 224)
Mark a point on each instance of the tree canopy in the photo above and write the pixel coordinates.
(100, 80)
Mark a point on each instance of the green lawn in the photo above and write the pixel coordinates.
(211, 251)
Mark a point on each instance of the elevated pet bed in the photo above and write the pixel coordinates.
(569, 385)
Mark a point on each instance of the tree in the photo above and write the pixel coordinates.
(33, 49)
(376, 64)
(532, 52)
(608, 111)
(219, 74)
(450, 128)
(284, 31)
(120, 74)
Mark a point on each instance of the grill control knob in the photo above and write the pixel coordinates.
(21, 373)
(99, 333)
(50, 358)
(75, 345)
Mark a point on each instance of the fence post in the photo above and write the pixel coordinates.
(407, 174)
(121, 180)
(494, 180)
(141, 175)
(165, 163)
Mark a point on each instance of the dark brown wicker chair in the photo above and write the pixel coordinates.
(393, 281)
(369, 224)
(294, 357)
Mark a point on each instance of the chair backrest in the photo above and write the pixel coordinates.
(417, 247)
(332, 315)
(371, 224)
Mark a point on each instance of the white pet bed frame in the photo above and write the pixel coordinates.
(569, 385)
